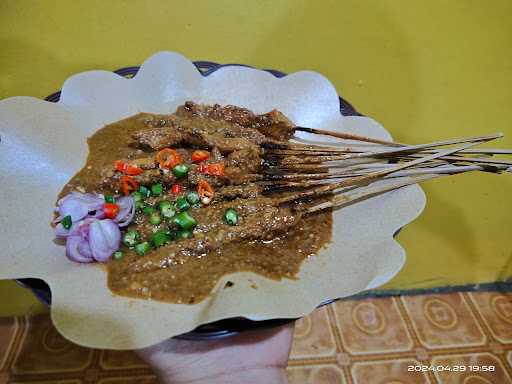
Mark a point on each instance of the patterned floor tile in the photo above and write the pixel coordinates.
(443, 321)
(44, 350)
(320, 374)
(382, 341)
(481, 368)
(313, 336)
(120, 360)
(8, 328)
(374, 326)
(388, 372)
(496, 310)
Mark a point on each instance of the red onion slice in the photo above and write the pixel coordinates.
(74, 245)
(126, 210)
(79, 205)
(104, 239)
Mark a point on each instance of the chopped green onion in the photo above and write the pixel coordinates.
(131, 238)
(197, 205)
(184, 234)
(142, 248)
(148, 210)
(139, 205)
(67, 222)
(182, 203)
(137, 196)
(192, 197)
(109, 199)
(118, 255)
(185, 221)
(155, 218)
(180, 170)
(144, 191)
(160, 238)
(231, 217)
(157, 189)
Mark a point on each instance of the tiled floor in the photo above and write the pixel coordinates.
(381, 341)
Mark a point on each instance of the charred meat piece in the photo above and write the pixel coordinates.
(158, 138)
(273, 124)
(247, 159)
(200, 133)
(231, 192)
(259, 219)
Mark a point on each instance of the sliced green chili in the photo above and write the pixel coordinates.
(182, 204)
(231, 217)
(180, 170)
(131, 238)
(67, 222)
(109, 199)
(137, 196)
(155, 218)
(142, 248)
(118, 255)
(193, 197)
(185, 221)
(157, 189)
(160, 238)
(144, 191)
(148, 210)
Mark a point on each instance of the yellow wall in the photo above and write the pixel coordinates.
(425, 69)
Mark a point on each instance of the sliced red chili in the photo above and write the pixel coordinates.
(128, 184)
(214, 169)
(200, 155)
(176, 189)
(111, 210)
(127, 169)
(168, 158)
(205, 191)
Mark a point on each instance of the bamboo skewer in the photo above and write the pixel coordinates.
(449, 170)
(345, 136)
(317, 159)
(363, 193)
(371, 176)
(473, 159)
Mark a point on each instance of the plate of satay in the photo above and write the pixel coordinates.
(169, 201)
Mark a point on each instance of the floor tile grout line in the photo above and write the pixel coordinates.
(338, 340)
(17, 342)
(402, 310)
(312, 361)
(129, 372)
(334, 327)
(78, 375)
(11, 346)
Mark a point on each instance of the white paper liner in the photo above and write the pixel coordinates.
(44, 144)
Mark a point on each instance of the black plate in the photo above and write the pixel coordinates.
(221, 328)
